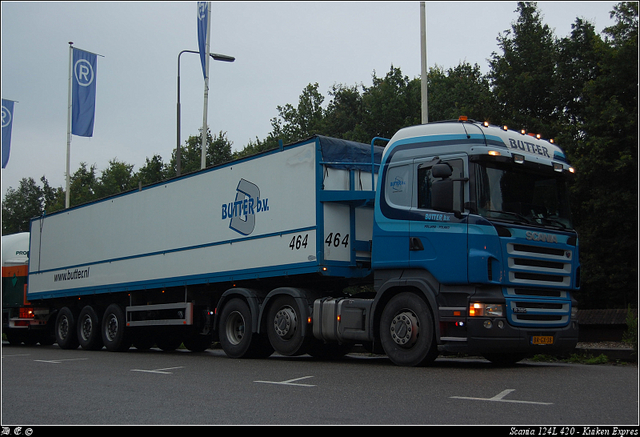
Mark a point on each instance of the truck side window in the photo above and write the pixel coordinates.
(425, 180)
(398, 191)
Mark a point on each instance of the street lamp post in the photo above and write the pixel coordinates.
(216, 57)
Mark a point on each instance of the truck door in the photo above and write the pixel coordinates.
(438, 240)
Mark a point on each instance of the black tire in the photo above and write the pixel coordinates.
(284, 327)
(502, 359)
(169, 340)
(329, 351)
(236, 332)
(143, 339)
(88, 329)
(65, 329)
(197, 342)
(115, 336)
(407, 331)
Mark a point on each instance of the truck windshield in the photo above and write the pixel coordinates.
(513, 193)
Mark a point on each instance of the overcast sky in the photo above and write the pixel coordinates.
(279, 47)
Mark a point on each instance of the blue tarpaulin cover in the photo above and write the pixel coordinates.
(344, 154)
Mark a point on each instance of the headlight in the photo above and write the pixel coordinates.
(485, 309)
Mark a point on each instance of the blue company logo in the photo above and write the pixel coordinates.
(242, 211)
(397, 185)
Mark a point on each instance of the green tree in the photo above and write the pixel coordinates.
(522, 77)
(82, 185)
(21, 205)
(117, 178)
(601, 140)
(154, 170)
(462, 90)
(218, 152)
(391, 103)
(304, 120)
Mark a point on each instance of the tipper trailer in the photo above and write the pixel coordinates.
(460, 231)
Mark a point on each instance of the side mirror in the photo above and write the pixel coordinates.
(442, 195)
(442, 171)
(442, 190)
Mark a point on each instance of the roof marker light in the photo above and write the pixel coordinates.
(462, 118)
(494, 153)
(522, 131)
(485, 124)
(504, 127)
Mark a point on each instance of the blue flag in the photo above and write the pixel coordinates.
(203, 22)
(7, 122)
(83, 89)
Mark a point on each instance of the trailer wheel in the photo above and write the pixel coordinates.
(284, 327)
(236, 332)
(169, 340)
(407, 331)
(114, 334)
(197, 342)
(89, 335)
(65, 329)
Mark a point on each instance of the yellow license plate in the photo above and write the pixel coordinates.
(542, 339)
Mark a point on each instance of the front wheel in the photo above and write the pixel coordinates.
(407, 331)
(503, 359)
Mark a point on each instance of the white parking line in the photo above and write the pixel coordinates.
(60, 361)
(500, 398)
(289, 382)
(160, 371)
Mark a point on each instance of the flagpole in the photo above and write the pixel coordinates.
(203, 153)
(68, 187)
(423, 53)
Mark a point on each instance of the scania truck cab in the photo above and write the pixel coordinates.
(476, 219)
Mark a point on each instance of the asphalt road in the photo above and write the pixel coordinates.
(44, 385)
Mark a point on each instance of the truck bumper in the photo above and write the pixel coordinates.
(500, 337)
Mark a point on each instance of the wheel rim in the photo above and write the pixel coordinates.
(405, 329)
(112, 327)
(285, 323)
(63, 327)
(235, 328)
(86, 327)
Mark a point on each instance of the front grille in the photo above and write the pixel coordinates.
(539, 265)
(537, 307)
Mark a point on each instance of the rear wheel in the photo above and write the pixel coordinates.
(236, 332)
(285, 327)
(88, 329)
(114, 334)
(65, 329)
(407, 331)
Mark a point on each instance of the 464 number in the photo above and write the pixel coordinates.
(336, 240)
(299, 242)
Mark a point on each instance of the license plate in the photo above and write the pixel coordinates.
(542, 339)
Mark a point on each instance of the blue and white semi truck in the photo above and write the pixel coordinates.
(460, 231)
